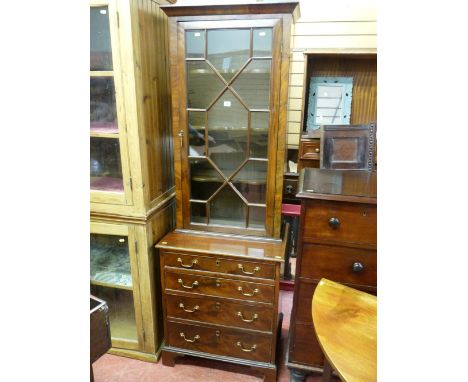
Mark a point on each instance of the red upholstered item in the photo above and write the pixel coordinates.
(291, 209)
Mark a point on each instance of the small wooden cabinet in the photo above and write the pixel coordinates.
(220, 299)
(337, 241)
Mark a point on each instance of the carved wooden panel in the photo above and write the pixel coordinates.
(347, 147)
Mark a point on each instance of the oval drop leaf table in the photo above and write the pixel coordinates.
(345, 321)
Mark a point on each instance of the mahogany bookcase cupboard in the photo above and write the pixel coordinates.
(131, 173)
(220, 268)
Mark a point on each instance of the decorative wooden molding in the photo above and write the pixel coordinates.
(241, 8)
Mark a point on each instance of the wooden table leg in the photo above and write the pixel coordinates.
(327, 371)
(92, 375)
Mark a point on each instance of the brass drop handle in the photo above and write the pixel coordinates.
(358, 267)
(317, 150)
(241, 267)
(254, 317)
(194, 284)
(195, 308)
(334, 223)
(254, 292)
(244, 349)
(194, 262)
(197, 337)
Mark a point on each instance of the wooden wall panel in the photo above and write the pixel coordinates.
(364, 73)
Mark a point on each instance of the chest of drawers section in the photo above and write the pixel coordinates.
(220, 306)
(337, 241)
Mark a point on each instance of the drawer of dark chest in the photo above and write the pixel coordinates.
(219, 264)
(340, 222)
(341, 264)
(221, 341)
(219, 286)
(214, 311)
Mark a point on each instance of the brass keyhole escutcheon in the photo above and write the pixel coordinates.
(218, 262)
(364, 213)
(218, 282)
(218, 305)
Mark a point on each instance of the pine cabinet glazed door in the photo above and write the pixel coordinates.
(114, 279)
(109, 168)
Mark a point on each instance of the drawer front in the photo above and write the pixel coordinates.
(242, 315)
(340, 264)
(222, 341)
(310, 149)
(220, 287)
(304, 347)
(341, 222)
(220, 265)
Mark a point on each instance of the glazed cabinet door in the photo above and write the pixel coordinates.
(228, 121)
(114, 279)
(109, 168)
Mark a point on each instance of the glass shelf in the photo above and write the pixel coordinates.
(104, 128)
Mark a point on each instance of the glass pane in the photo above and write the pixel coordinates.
(257, 217)
(203, 85)
(228, 50)
(251, 181)
(195, 44)
(196, 132)
(227, 208)
(227, 125)
(103, 115)
(259, 134)
(204, 179)
(101, 53)
(262, 42)
(106, 169)
(198, 213)
(330, 91)
(253, 84)
(110, 261)
(121, 311)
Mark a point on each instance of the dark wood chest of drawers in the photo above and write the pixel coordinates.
(338, 241)
(220, 299)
